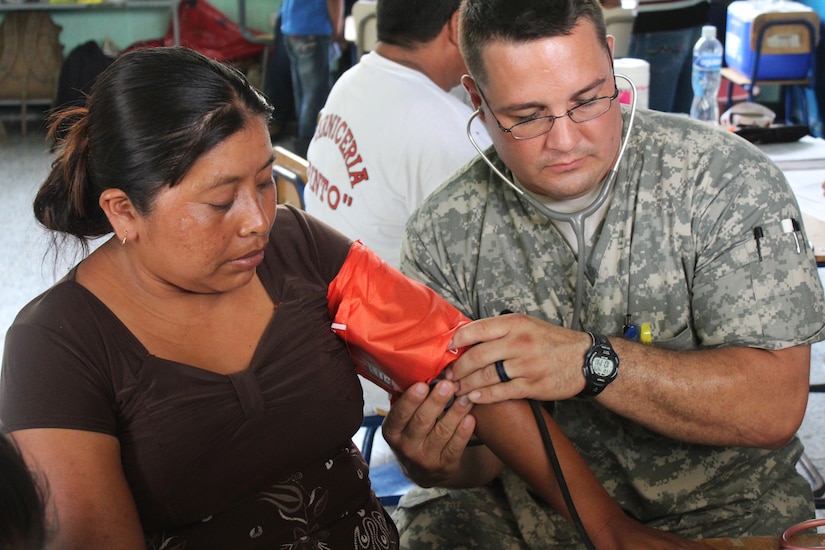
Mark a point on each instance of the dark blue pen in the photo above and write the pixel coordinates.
(758, 234)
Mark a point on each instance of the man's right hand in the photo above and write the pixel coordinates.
(429, 441)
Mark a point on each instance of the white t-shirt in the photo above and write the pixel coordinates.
(385, 139)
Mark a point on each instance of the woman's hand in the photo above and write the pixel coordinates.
(431, 443)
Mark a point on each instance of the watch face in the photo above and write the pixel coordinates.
(601, 366)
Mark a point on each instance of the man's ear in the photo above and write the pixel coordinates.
(452, 27)
(121, 213)
(472, 90)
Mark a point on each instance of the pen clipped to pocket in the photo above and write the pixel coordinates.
(770, 236)
(791, 225)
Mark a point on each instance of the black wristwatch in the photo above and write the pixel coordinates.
(601, 366)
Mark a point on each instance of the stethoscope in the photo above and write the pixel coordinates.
(577, 218)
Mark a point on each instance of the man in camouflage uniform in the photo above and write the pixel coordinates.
(696, 433)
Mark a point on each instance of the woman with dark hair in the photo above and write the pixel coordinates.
(181, 387)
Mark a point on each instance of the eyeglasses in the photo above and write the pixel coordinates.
(538, 126)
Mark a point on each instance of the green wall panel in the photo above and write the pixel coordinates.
(126, 26)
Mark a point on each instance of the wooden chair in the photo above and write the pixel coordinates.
(31, 57)
(290, 171)
(751, 81)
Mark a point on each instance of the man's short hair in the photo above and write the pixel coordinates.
(485, 21)
(407, 23)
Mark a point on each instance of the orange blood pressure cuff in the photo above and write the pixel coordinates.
(397, 330)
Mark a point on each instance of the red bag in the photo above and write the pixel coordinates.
(397, 330)
(207, 30)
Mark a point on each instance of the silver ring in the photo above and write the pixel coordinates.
(502, 374)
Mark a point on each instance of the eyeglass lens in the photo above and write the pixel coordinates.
(582, 113)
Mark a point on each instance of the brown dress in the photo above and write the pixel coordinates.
(258, 459)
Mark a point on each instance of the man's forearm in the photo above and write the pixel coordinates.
(728, 396)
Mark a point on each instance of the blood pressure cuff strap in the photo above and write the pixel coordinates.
(397, 330)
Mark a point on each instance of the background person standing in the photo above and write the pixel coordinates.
(310, 29)
(664, 33)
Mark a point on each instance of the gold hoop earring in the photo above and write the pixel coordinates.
(123, 241)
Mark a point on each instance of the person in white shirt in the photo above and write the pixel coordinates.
(391, 131)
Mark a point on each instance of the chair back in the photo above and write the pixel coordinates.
(366, 34)
(619, 23)
(290, 171)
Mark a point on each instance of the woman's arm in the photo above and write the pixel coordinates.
(431, 446)
(85, 487)
(510, 430)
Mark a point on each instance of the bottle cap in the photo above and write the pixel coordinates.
(646, 337)
(709, 31)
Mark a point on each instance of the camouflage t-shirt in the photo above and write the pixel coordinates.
(676, 249)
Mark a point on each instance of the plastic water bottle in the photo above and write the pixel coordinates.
(707, 74)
